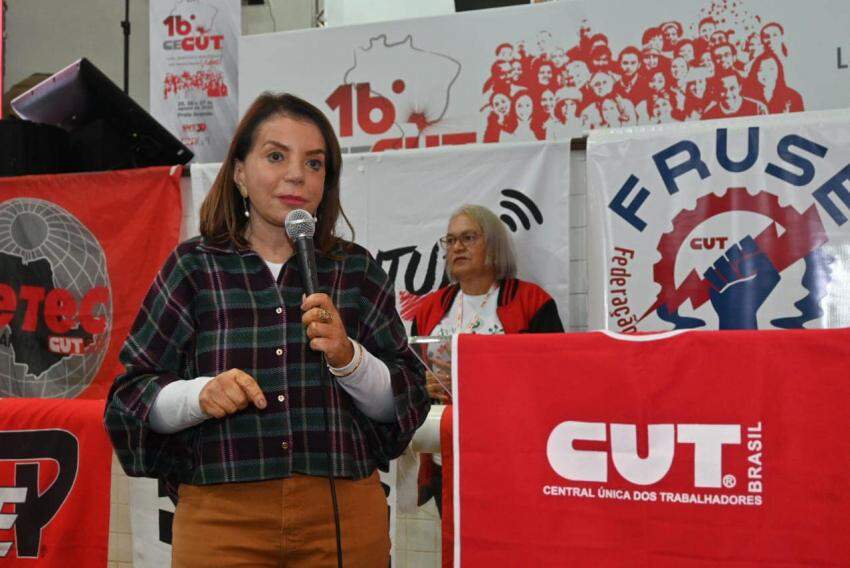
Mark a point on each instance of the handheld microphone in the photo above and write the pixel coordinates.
(300, 227)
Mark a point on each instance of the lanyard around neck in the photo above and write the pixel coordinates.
(475, 317)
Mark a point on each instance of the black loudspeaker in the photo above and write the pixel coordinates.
(108, 130)
(464, 5)
(28, 148)
(97, 146)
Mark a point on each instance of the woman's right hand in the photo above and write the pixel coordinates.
(230, 392)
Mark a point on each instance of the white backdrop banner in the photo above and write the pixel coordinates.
(400, 202)
(193, 73)
(737, 224)
(411, 83)
(151, 515)
(557, 69)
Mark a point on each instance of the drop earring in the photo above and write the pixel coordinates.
(245, 201)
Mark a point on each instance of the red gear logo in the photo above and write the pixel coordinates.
(804, 232)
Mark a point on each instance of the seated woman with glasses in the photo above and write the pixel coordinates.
(484, 297)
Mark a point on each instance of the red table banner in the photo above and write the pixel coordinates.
(677, 449)
(55, 464)
(78, 252)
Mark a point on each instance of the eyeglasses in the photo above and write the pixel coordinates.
(466, 239)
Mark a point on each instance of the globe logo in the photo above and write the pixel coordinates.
(55, 301)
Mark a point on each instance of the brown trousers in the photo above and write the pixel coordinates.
(281, 523)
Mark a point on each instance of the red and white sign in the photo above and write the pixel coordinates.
(193, 46)
(557, 69)
(677, 449)
(78, 252)
(55, 471)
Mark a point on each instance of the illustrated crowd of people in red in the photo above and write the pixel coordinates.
(549, 92)
(210, 82)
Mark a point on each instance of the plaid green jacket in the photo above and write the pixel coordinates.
(213, 308)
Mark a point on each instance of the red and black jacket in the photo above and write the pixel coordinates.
(522, 307)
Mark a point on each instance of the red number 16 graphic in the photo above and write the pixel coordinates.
(177, 25)
(375, 114)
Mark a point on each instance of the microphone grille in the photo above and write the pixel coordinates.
(300, 224)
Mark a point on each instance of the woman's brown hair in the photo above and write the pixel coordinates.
(223, 211)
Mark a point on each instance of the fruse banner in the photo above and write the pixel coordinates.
(739, 224)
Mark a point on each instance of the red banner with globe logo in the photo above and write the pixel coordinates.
(77, 254)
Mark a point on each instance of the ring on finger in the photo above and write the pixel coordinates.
(325, 316)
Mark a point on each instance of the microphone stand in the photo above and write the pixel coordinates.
(125, 25)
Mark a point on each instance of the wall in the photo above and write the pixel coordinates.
(47, 35)
(346, 12)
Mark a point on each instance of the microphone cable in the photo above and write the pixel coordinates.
(300, 227)
(324, 380)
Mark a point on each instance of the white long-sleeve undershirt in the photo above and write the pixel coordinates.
(178, 405)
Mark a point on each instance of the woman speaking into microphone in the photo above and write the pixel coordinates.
(247, 394)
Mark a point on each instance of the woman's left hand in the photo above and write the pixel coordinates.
(326, 330)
